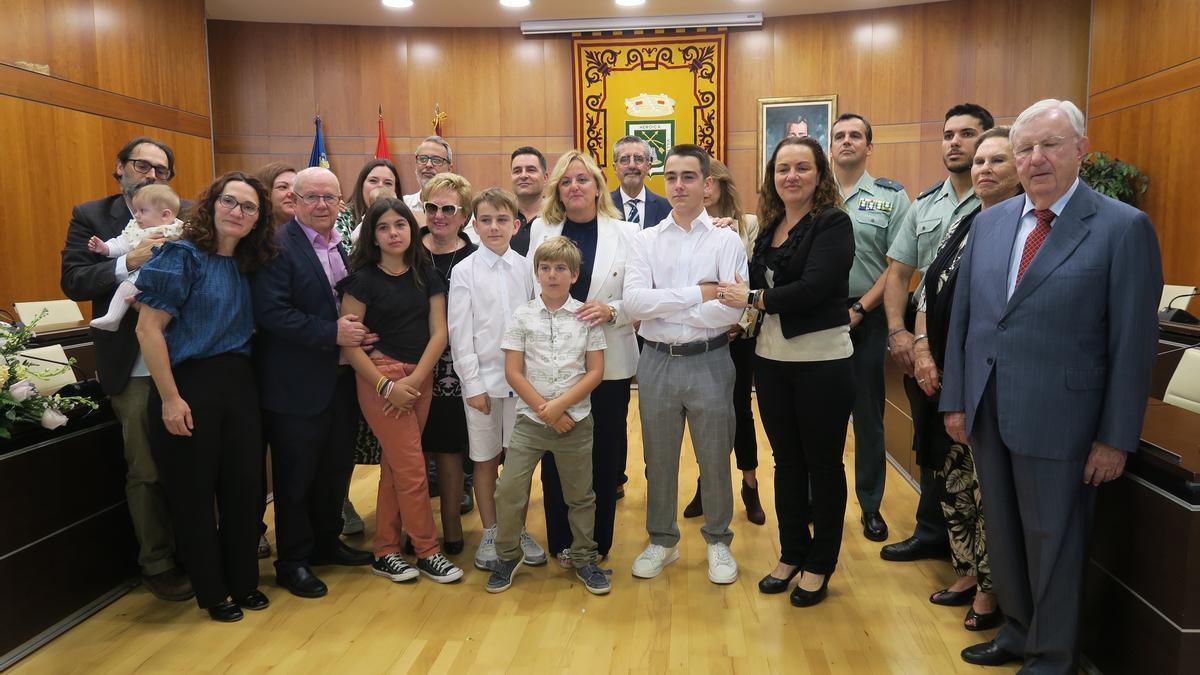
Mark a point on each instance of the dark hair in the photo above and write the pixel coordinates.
(854, 116)
(358, 200)
(974, 110)
(270, 172)
(770, 205)
(256, 248)
(126, 152)
(689, 150)
(366, 250)
(529, 150)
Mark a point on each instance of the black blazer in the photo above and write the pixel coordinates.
(813, 282)
(295, 350)
(656, 209)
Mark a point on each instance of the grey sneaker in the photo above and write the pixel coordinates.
(351, 522)
(393, 566)
(594, 579)
(502, 575)
(534, 553)
(485, 556)
(438, 568)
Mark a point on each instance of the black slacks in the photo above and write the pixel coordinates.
(805, 407)
(610, 411)
(312, 458)
(745, 441)
(222, 461)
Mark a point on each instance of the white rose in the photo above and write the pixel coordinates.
(52, 419)
(22, 390)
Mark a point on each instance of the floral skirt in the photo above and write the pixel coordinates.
(962, 504)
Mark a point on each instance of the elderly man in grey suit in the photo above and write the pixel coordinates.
(1048, 364)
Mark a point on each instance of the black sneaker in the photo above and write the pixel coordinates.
(439, 569)
(503, 572)
(393, 566)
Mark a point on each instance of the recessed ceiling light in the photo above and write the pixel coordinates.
(398, 4)
(515, 3)
(630, 3)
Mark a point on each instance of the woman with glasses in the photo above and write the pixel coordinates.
(195, 328)
(576, 205)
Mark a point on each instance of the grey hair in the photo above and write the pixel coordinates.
(1071, 111)
(304, 175)
(633, 139)
(442, 142)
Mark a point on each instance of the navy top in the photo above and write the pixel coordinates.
(207, 297)
(584, 236)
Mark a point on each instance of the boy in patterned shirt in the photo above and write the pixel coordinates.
(553, 361)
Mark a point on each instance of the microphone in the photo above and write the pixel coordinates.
(1178, 315)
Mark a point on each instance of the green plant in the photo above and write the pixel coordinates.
(1112, 177)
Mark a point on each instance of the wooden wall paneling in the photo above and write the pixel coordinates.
(556, 54)
(522, 89)
(383, 60)
(1131, 40)
(238, 79)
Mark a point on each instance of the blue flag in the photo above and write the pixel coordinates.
(318, 156)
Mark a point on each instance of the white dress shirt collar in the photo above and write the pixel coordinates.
(1058, 206)
(625, 196)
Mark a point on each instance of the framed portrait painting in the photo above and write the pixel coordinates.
(793, 116)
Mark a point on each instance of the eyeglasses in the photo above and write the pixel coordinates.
(447, 210)
(632, 159)
(230, 202)
(143, 167)
(313, 200)
(1049, 145)
(432, 159)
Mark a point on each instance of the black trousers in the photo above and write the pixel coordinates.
(312, 457)
(929, 436)
(745, 442)
(610, 410)
(222, 461)
(805, 407)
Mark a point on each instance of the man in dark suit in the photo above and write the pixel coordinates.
(123, 374)
(1048, 361)
(306, 388)
(632, 159)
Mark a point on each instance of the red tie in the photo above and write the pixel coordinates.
(1035, 239)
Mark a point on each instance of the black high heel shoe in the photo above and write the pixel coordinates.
(453, 547)
(803, 598)
(974, 621)
(226, 612)
(949, 598)
(771, 585)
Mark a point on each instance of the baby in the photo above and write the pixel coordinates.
(154, 209)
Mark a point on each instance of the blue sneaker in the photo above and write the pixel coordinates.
(503, 572)
(594, 579)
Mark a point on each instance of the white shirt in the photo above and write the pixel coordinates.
(485, 290)
(1028, 222)
(555, 345)
(640, 206)
(413, 201)
(662, 276)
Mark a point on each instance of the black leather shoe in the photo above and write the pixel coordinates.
(620, 492)
(949, 598)
(342, 555)
(695, 508)
(453, 547)
(172, 585)
(302, 582)
(975, 621)
(873, 526)
(754, 509)
(988, 654)
(771, 585)
(226, 612)
(254, 600)
(913, 549)
(803, 598)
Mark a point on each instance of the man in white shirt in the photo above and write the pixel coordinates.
(685, 373)
(632, 159)
(433, 156)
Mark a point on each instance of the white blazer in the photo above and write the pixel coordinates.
(608, 279)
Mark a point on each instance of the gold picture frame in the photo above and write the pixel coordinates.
(776, 115)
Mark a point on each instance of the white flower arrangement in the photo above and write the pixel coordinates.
(20, 401)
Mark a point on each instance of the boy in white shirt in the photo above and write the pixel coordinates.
(485, 290)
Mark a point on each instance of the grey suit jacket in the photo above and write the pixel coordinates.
(1072, 350)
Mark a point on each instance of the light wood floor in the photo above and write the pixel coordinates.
(876, 619)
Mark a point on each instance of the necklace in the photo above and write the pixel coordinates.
(390, 272)
(449, 268)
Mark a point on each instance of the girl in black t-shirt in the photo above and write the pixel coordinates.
(398, 294)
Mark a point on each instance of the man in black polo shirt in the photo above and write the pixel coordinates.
(528, 181)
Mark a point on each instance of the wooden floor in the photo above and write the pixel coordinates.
(877, 618)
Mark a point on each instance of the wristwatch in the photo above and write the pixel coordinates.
(612, 314)
(857, 308)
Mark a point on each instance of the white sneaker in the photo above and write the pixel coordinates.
(534, 553)
(722, 568)
(652, 561)
(486, 557)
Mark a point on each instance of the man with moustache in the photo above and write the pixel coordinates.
(1048, 361)
(632, 159)
(123, 374)
(528, 166)
(876, 207)
(306, 388)
(912, 251)
(433, 156)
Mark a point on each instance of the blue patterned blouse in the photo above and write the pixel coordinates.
(207, 297)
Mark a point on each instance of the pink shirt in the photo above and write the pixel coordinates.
(329, 256)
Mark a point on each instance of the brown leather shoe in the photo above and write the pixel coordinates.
(172, 585)
(754, 509)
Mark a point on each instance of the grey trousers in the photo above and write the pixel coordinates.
(697, 390)
(143, 491)
(1039, 516)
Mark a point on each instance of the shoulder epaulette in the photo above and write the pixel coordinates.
(889, 184)
(932, 189)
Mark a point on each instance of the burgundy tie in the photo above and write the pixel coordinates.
(1035, 239)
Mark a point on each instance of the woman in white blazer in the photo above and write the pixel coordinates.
(576, 204)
